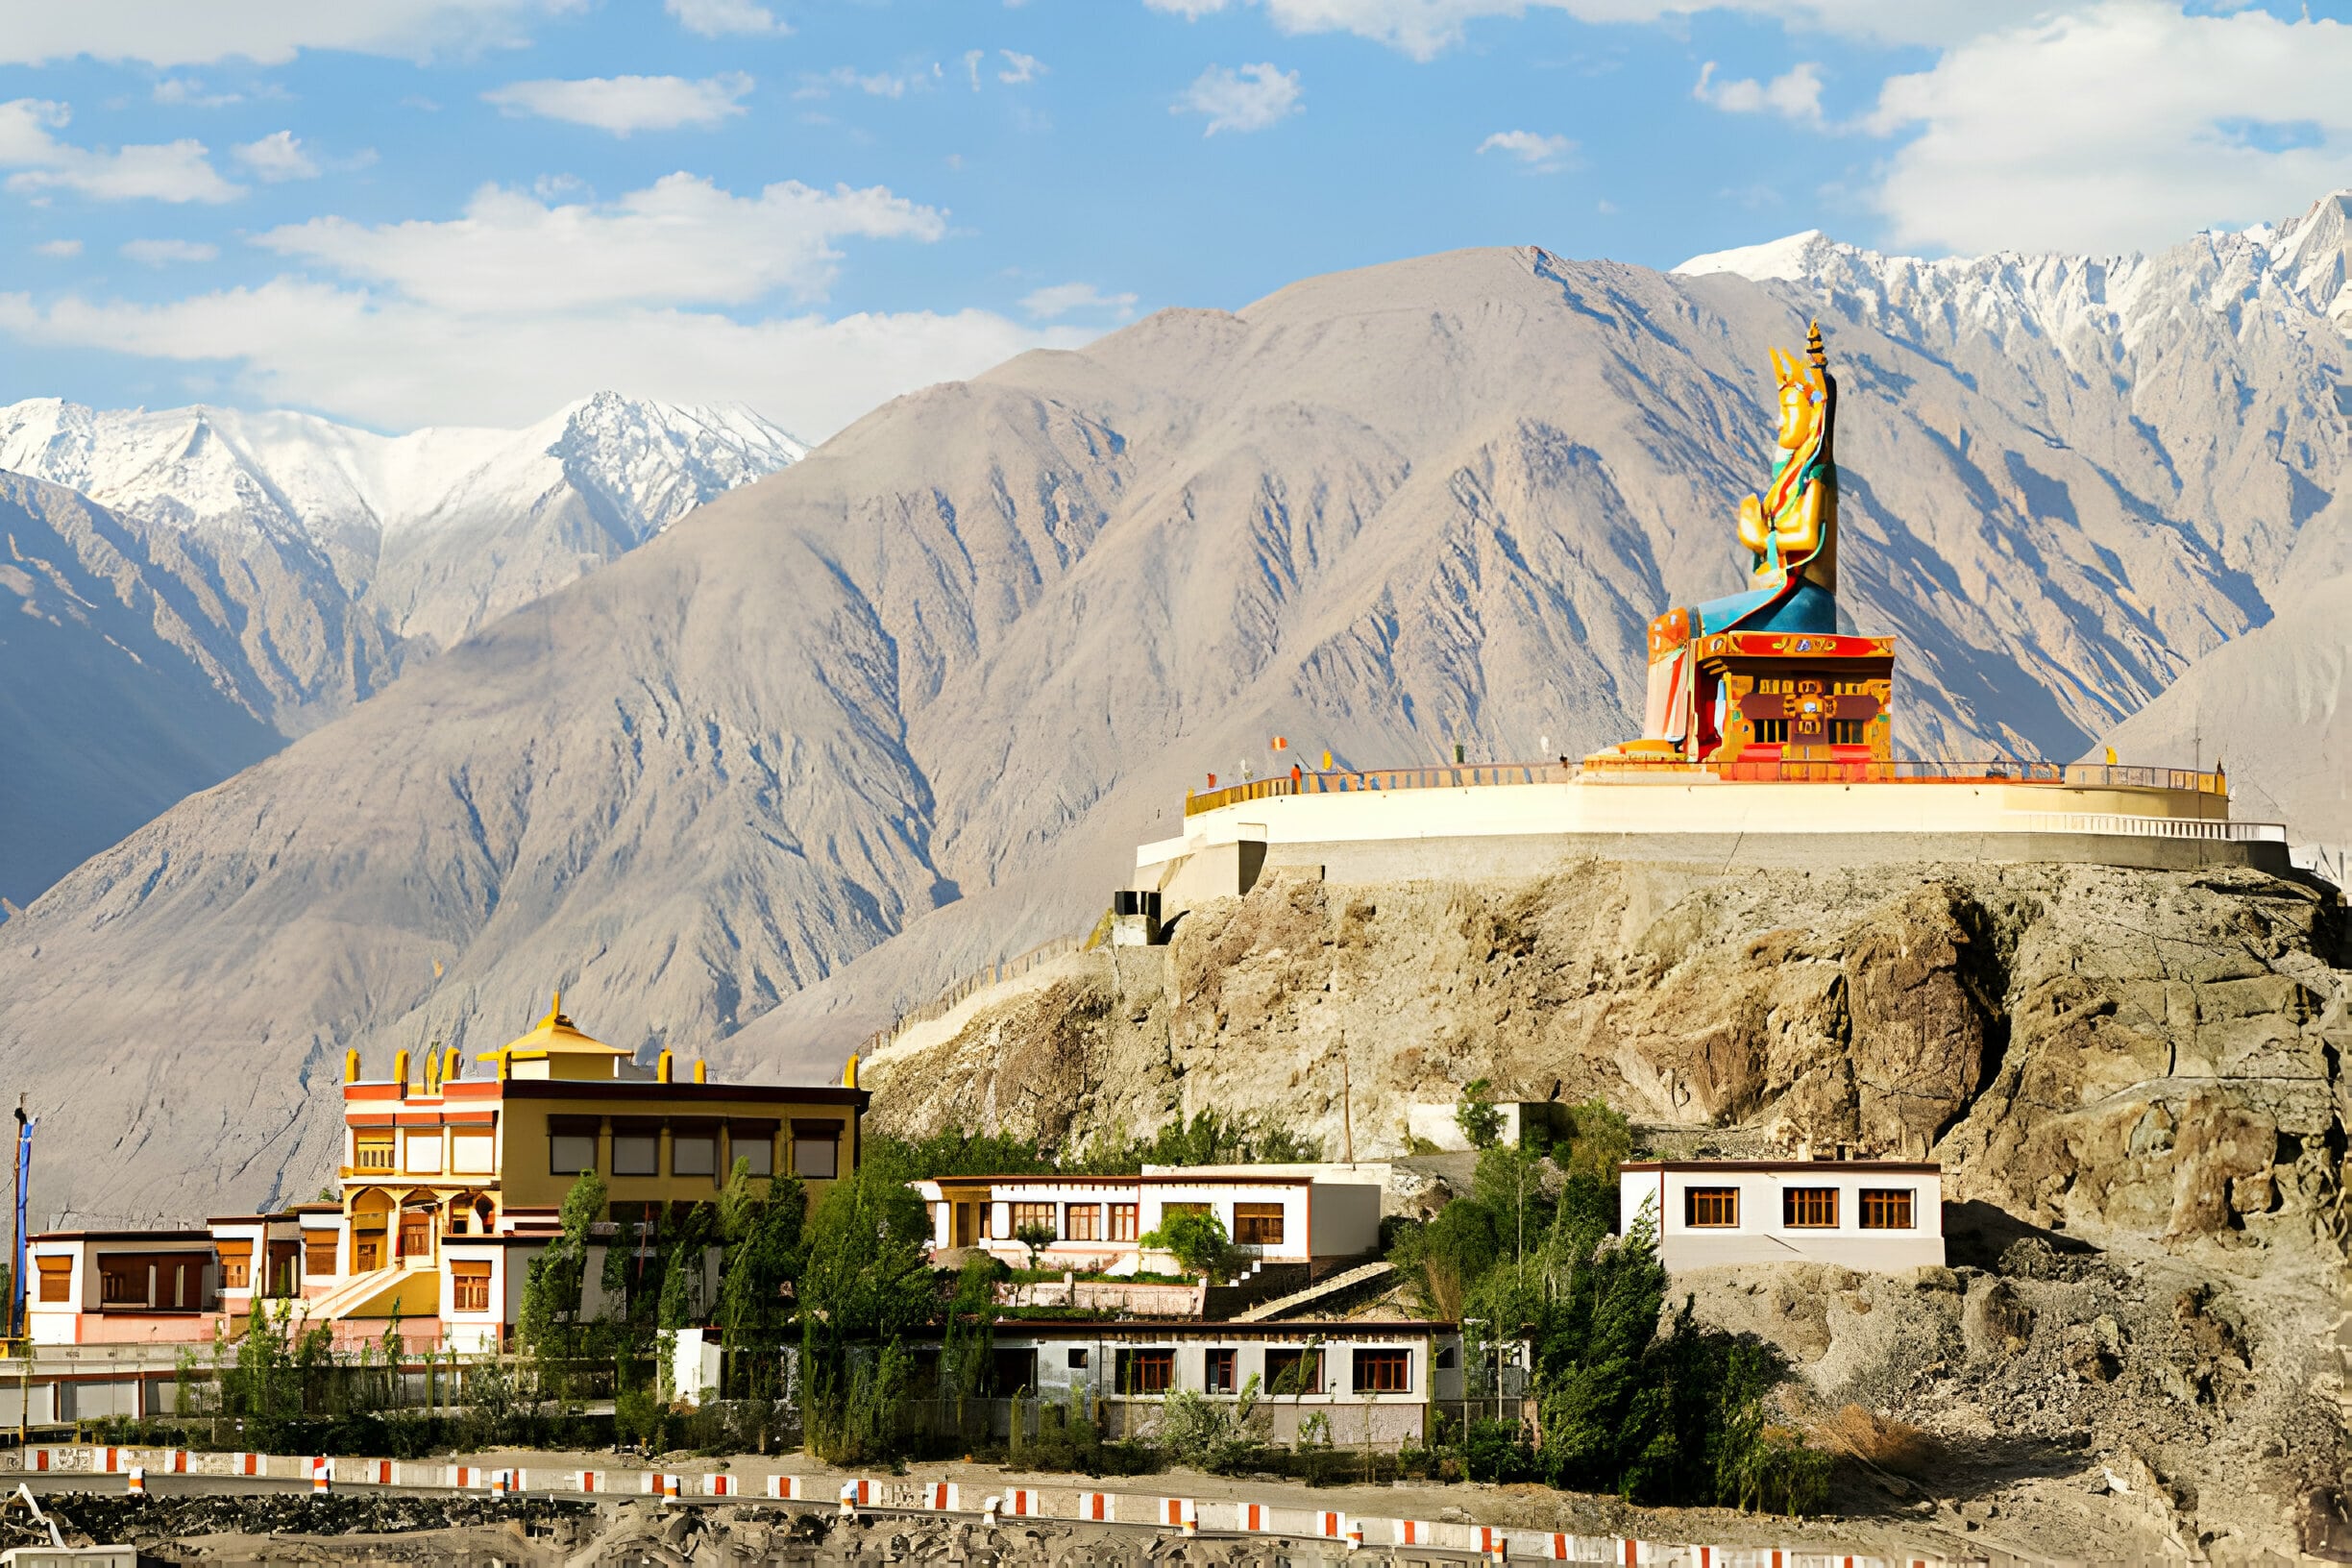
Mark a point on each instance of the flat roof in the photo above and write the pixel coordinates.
(120, 1235)
(1216, 1328)
(1051, 1178)
(1906, 1167)
(646, 1089)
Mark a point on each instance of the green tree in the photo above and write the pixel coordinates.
(1474, 1114)
(1197, 1241)
(1035, 1234)
(547, 1326)
(1599, 1140)
(865, 1282)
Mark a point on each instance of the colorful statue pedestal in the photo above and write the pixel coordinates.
(1749, 682)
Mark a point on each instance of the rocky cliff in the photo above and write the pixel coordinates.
(2133, 1079)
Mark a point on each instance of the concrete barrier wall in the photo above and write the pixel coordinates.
(1154, 1511)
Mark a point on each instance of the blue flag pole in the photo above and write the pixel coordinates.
(17, 1315)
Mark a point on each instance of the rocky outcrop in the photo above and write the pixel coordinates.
(2109, 1052)
(2133, 1079)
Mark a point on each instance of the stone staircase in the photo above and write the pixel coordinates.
(1326, 1293)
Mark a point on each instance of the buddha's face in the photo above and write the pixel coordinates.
(1799, 414)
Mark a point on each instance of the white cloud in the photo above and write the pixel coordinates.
(59, 248)
(170, 33)
(1795, 95)
(1250, 98)
(681, 240)
(188, 92)
(396, 365)
(278, 155)
(163, 253)
(1021, 67)
(177, 171)
(1423, 28)
(2117, 129)
(623, 103)
(1546, 153)
(716, 18)
(972, 65)
(875, 84)
(1060, 300)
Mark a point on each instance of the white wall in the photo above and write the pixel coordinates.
(1761, 1235)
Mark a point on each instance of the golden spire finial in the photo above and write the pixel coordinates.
(554, 1011)
(1814, 350)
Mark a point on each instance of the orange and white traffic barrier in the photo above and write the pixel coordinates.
(320, 1486)
(1354, 1537)
(175, 1461)
(368, 1472)
(1257, 1517)
(720, 1485)
(670, 1487)
(241, 1464)
(1022, 1503)
(138, 1481)
(1096, 1508)
(1490, 1543)
(938, 1495)
(588, 1481)
(1329, 1522)
(467, 1478)
(501, 1481)
(1415, 1532)
(786, 1489)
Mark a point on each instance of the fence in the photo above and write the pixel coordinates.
(1774, 771)
(1152, 1511)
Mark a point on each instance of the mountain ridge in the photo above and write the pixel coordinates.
(908, 704)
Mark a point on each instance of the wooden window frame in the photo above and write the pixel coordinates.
(470, 1286)
(1147, 1370)
(1258, 1224)
(1809, 1207)
(1888, 1209)
(1126, 1221)
(55, 1276)
(374, 1151)
(1081, 1221)
(1700, 1203)
(1220, 1370)
(1036, 1213)
(1280, 1360)
(1384, 1369)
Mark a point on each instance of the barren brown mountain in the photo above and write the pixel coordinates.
(973, 649)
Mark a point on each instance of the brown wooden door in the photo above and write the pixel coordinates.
(416, 1234)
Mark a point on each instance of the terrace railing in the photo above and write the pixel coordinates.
(1906, 771)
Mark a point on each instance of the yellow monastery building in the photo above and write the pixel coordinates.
(447, 1185)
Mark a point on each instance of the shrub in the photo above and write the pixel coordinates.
(1474, 1114)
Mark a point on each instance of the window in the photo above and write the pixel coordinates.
(318, 1253)
(1447, 1357)
(424, 1153)
(636, 1153)
(1294, 1372)
(753, 1142)
(284, 1269)
(816, 1149)
(471, 1154)
(1846, 731)
(122, 1282)
(416, 1233)
(1146, 1371)
(1384, 1371)
(372, 1151)
(1711, 1207)
(1082, 1221)
(1258, 1224)
(695, 1155)
(1886, 1209)
(367, 1254)
(573, 1144)
(1123, 1222)
(236, 1263)
(472, 1284)
(1772, 732)
(1032, 1213)
(1217, 1371)
(1809, 1207)
(171, 1281)
(1078, 1361)
(56, 1278)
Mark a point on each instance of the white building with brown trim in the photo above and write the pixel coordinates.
(1318, 1217)
(1861, 1213)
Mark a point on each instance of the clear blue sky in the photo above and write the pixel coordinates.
(406, 211)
